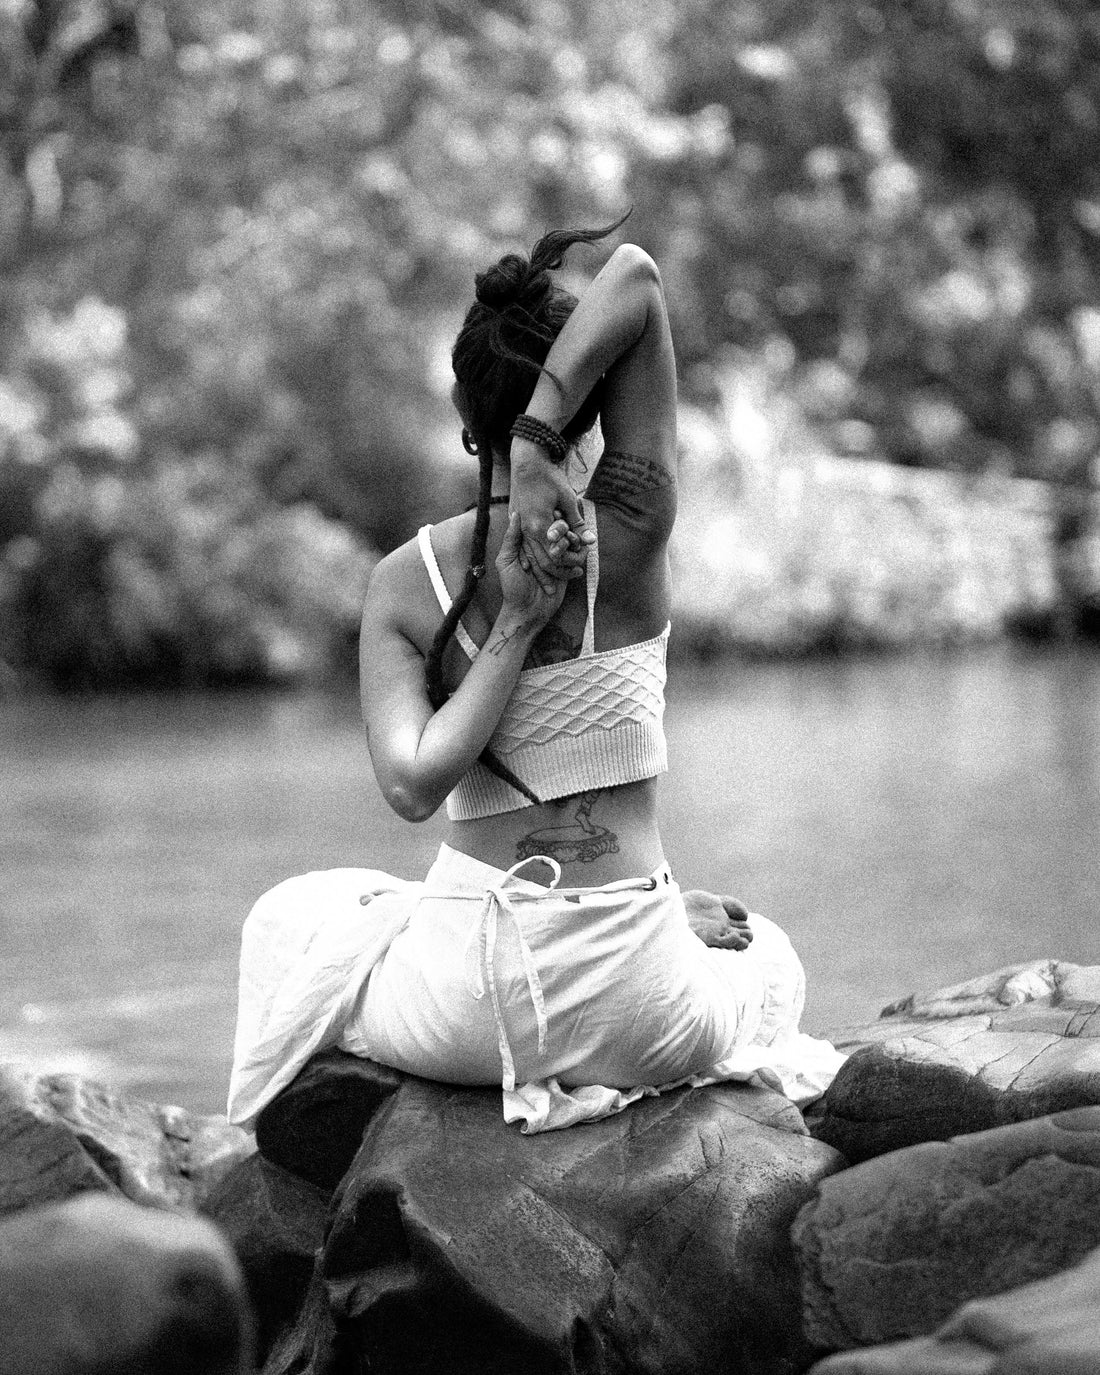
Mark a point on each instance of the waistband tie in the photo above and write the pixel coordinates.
(485, 934)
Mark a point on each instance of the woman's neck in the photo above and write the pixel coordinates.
(502, 479)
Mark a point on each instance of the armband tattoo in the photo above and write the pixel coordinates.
(621, 477)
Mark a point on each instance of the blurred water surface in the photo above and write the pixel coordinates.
(910, 821)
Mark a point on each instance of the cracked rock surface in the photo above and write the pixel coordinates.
(62, 1134)
(1051, 1327)
(890, 1248)
(654, 1241)
(275, 1222)
(1020, 1043)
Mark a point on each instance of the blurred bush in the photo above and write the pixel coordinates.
(812, 551)
(236, 240)
(171, 570)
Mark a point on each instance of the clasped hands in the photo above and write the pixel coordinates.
(554, 538)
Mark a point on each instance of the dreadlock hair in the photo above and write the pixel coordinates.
(497, 358)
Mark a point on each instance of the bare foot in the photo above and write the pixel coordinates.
(722, 922)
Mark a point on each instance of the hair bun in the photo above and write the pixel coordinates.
(510, 280)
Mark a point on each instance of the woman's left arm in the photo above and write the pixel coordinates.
(420, 753)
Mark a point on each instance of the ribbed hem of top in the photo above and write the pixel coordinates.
(624, 753)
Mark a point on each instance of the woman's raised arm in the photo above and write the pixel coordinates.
(617, 339)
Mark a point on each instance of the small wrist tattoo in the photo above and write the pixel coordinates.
(504, 638)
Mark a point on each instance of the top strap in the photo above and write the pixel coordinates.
(427, 553)
(592, 579)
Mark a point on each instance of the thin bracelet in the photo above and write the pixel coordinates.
(544, 435)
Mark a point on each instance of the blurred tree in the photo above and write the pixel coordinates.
(278, 206)
(912, 193)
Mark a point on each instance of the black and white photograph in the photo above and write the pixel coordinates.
(549, 687)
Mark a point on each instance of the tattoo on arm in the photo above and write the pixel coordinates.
(621, 478)
(497, 646)
(552, 646)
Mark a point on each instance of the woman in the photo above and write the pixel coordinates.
(548, 949)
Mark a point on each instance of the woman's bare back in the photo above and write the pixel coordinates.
(599, 835)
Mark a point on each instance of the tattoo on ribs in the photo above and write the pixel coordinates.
(553, 646)
(579, 843)
(620, 476)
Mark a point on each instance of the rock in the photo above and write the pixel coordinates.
(314, 1127)
(889, 1248)
(99, 1286)
(275, 1223)
(1017, 1044)
(208, 1147)
(1051, 1327)
(61, 1134)
(921, 1356)
(655, 1240)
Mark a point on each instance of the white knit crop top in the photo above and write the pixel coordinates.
(591, 722)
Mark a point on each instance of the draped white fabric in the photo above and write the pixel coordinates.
(577, 1002)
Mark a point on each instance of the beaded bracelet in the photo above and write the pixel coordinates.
(545, 436)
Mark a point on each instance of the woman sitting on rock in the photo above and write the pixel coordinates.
(548, 949)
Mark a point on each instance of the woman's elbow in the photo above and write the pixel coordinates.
(411, 804)
(636, 264)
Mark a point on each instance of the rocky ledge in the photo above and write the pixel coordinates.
(61, 1134)
(1051, 1327)
(1005, 1047)
(654, 1241)
(892, 1247)
(970, 1117)
(398, 1225)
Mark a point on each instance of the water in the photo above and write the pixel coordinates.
(909, 821)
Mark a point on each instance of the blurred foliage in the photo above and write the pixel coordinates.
(166, 569)
(237, 236)
(816, 552)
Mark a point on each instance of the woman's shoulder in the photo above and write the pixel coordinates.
(399, 600)
(394, 569)
(401, 583)
(450, 538)
(445, 539)
(396, 587)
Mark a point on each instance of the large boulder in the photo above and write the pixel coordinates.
(99, 1286)
(61, 1134)
(315, 1126)
(890, 1248)
(655, 1240)
(1016, 1044)
(275, 1222)
(1051, 1327)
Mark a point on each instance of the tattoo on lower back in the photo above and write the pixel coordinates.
(623, 477)
(579, 843)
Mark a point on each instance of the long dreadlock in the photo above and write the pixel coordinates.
(475, 570)
(497, 358)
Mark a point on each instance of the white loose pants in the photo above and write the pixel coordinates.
(576, 1001)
